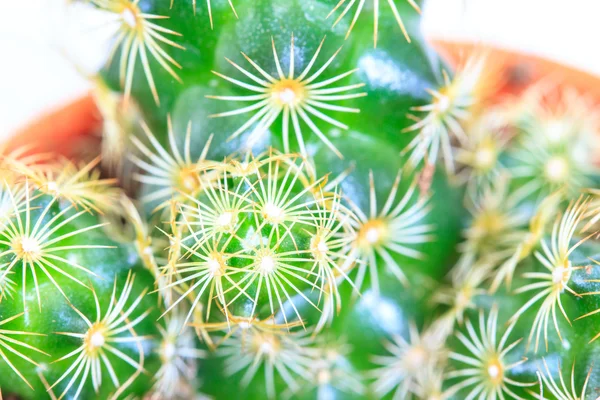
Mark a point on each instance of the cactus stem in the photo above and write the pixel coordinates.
(272, 269)
(460, 297)
(479, 157)
(221, 211)
(546, 170)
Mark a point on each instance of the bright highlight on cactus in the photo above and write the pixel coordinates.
(299, 97)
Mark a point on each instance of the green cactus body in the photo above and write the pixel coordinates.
(316, 209)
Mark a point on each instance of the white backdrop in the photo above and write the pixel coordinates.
(40, 41)
(566, 31)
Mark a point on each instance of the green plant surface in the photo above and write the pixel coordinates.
(306, 203)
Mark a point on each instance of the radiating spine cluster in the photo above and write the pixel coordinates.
(139, 39)
(293, 97)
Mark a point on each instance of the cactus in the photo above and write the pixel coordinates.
(306, 204)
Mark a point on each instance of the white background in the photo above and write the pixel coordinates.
(40, 42)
